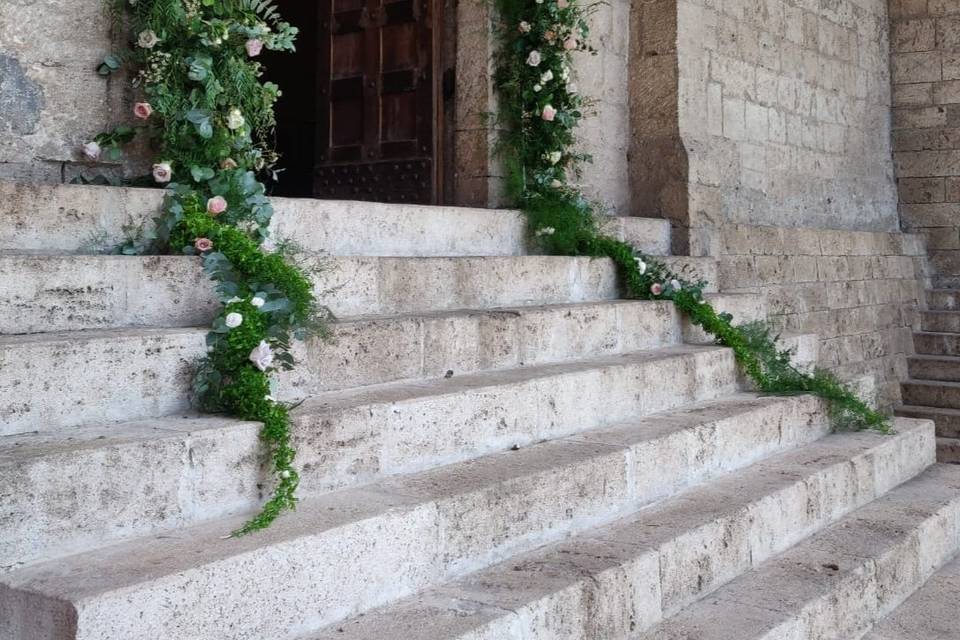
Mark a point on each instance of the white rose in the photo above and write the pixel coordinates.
(675, 284)
(235, 119)
(641, 266)
(162, 172)
(546, 77)
(147, 39)
(285, 474)
(534, 58)
(554, 157)
(257, 301)
(92, 150)
(537, 88)
(524, 27)
(262, 356)
(233, 320)
(556, 184)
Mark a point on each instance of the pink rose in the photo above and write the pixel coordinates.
(216, 205)
(92, 150)
(656, 288)
(549, 113)
(203, 244)
(162, 172)
(142, 110)
(562, 4)
(570, 43)
(253, 46)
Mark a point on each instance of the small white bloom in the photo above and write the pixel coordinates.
(285, 474)
(257, 301)
(262, 356)
(235, 119)
(675, 284)
(536, 88)
(554, 157)
(534, 58)
(524, 27)
(572, 88)
(641, 266)
(564, 73)
(269, 398)
(233, 320)
(92, 150)
(545, 231)
(147, 39)
(234, 299)
(268, 245)
(546, 76)
(556, 184)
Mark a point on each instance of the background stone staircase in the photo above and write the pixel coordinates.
(494, 447)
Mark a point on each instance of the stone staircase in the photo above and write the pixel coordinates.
(494, 447)
(933, 388)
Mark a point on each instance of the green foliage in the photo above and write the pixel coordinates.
(211, 119)
(538, 158)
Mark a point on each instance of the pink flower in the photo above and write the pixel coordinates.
(203, 244)
(549, 113)
(656, 288)
(142, 110)
(162, 172)
(562, 4)
(570, 43)
(92, 150)
(216, 205)
(253, 46)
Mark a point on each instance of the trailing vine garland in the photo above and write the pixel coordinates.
(210, 118)
(539, 109)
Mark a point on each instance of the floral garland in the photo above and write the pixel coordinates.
(539, 108)
(210, 117)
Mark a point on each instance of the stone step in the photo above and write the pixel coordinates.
(619, 580)
(147, 476)
(943, 299)
(940, 321)
(69, 293)
(354, 550)
(924, 367)
(947, 421)
(936, 344)
(929, 614)
(842, 580)
(91, 219)
(931, 393)
(156, 365)
(948, 450)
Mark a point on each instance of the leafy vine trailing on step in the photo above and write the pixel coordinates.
(539, 109)
(209, 118)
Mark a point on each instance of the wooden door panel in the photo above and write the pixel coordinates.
(378, 101)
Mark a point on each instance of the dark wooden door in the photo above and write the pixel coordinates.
(378, 104)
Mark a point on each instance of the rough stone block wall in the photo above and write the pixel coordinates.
(783, 111)
(859, 291)
(925, 63)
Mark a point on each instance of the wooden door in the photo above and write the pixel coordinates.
(379, 101)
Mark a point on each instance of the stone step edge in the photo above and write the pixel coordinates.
(197, 555)
(930, 613)
(869, 563)
(627, 576)
(344, 439)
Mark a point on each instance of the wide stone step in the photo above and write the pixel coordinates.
(353, 550)
(75, 218)
(948, 450)
(947, 421)
(931, 393)
(616, 581)
(943, 299)
(924, 367)
(156, 365)
(69, 293)
(940, 321)
(929, 614)
(843, 579)
(937, 344)
(153, 475)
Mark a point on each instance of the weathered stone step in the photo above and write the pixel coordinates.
(940, 321)
(68, 293)
(947, 421)
(147, 476)
(616, 581)
(931, 393)
(73, 218)
(156, 365)
(936, 344)
(925, 367)
(948, 450)
(353, 550)
(929, 614)
(943, 299)
(843, 579)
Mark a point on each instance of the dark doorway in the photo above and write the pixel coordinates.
(361, 115)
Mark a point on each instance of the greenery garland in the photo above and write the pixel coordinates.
(210, 119)
(539, 109)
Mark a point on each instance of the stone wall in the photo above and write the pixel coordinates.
(925, 62)
(783, 114)
(858, 291)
